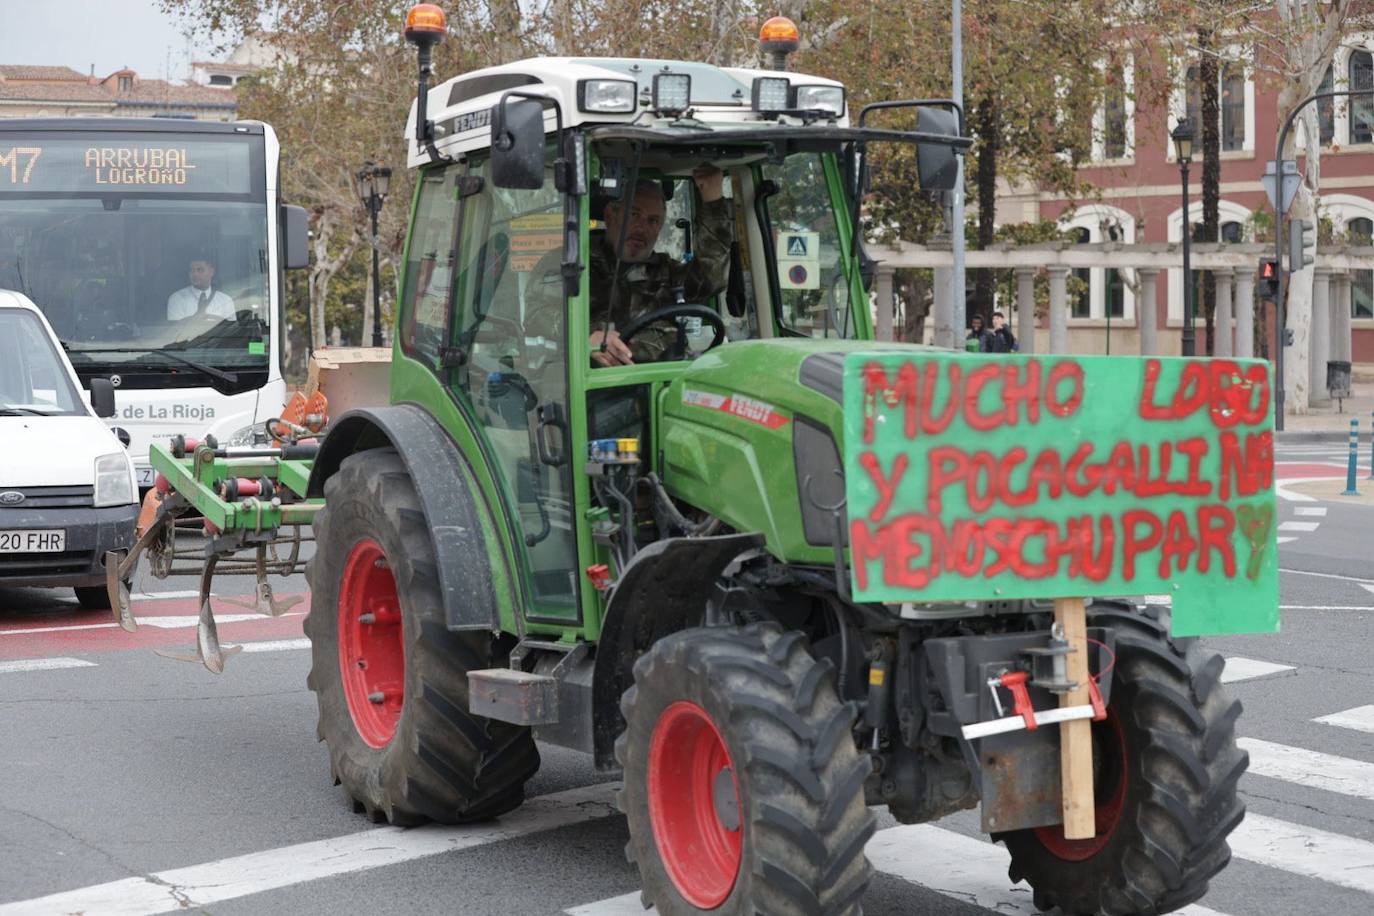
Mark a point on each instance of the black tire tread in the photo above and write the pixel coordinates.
(444, 764)
(1173, 697)
(805, 819)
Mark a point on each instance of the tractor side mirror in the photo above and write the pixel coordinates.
(102, 397)
(936, 163)
(517, 144)
(295, 237)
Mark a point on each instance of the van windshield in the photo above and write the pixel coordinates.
(33, 379)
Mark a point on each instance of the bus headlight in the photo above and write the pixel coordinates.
(114, 480)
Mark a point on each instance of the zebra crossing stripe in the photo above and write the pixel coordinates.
(1311, 511)
(43, 664)
(1239, 668)
(1306, 851)
(951, 864)
(1311, 768)
(1298, 526)
(1361, 719)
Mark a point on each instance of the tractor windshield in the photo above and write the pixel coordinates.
(811, 283)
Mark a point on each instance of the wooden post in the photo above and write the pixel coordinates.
(1076, 737)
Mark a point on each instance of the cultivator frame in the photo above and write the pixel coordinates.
(246, 498)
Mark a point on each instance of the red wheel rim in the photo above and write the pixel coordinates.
(1110, 744)
(689, 769)
(372, 660)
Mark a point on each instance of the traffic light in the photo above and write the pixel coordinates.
(1302, 244)
(1269, 278)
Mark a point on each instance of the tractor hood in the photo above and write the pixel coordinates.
(752, 433)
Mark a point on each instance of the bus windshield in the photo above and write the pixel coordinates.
(135, 244)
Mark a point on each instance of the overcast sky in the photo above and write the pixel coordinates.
(107, 33)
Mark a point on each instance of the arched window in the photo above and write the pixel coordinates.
(1361, 108)
(1326, 108)
(1361, 231)
(1232, 98)
(1080, 305)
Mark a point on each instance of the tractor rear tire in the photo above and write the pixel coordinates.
(743, 787)
(1166, 767)
(390, 678)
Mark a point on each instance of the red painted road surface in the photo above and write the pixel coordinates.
(1283, 471)
(163, 623)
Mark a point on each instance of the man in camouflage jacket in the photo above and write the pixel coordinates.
(649, 279)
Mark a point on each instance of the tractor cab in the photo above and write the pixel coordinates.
(589, 232)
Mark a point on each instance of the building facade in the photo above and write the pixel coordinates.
(37, 92)
(1141, 200)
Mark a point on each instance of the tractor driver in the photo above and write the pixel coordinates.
(647, 279)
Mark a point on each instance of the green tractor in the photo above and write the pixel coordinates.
(647, 560)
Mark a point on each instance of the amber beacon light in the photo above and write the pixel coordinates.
(779, 37)
(425, 23)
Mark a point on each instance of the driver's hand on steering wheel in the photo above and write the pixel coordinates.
(616, 353)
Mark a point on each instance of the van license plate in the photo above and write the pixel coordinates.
(51, 540)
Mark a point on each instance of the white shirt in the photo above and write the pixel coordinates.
(185, 302)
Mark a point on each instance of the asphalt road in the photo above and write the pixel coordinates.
(134, 784)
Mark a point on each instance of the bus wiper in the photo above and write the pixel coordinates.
(169, 352)
(22, 412)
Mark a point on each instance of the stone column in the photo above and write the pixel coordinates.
(1320, 349)
(883, 295)
(1025, 309)
(942, 312)
(1221, 332)
(1147, 310)
(1059, 309)
(1340, 319)
(1245, 313)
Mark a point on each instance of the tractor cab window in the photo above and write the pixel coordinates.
(508, 362)
(809, 273)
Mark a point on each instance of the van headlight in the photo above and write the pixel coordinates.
(114, 480)
(252, 434)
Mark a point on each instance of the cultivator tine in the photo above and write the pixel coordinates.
(118, 567)
(208, 650)
(264, 601)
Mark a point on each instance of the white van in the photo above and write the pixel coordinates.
(67, 490)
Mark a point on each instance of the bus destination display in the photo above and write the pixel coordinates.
(107, 164)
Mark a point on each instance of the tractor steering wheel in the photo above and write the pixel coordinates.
(677, 310)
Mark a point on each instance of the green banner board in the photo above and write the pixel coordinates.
(979, 477)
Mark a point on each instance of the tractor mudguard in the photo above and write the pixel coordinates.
(663, 590)
(443, 481)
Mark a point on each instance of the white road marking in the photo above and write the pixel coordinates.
(1284, 540)
(1322, 575)
(190, 620)
(1310, 768)
(1325, 607)
(1361, 719)
(276, 645)
(1298, 526)
(43, 664)
(78, 626)
(1312, 511)
(1368, 588)
(957, 866)
(960, 867)
(1240, 668)
(154, 596)
(197, 886)
(624, 905)
(1306, 851)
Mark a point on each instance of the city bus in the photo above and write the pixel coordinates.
(155, 247)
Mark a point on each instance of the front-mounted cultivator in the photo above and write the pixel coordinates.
(250, 505)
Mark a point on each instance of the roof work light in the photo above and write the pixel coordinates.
(606, 96)
(771, 94)
(672, 93)
(819, 98)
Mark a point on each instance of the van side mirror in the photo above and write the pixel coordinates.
(295, 234)
(517, 144)
(936, 163)
(102, 397)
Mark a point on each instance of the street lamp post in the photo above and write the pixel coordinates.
(1183, 151)
(373, 182)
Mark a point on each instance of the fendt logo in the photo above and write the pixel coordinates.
(11, 498)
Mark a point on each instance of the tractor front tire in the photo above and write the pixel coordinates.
(743, 787)
(1166, 767)
(390, 678)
